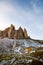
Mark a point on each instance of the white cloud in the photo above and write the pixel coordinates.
(5, 9)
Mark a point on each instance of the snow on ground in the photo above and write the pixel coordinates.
(10, 44)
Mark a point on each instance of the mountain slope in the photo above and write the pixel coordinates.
(13, 46)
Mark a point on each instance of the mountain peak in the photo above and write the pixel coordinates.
(12, 33)
(12, 26)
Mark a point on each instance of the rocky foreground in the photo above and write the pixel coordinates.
(20, 52)
(33, 58)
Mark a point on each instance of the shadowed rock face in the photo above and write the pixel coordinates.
(36, 63)
(12, 33)
(25, 33)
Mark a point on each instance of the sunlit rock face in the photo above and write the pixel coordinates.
(4, 33)
(12, 33)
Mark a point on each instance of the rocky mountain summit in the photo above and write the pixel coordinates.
(12, 33)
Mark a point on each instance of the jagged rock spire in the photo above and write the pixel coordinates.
(12, 26)
(25, 33)
(12, 33)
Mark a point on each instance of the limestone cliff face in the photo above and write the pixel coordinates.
(4, 33)
(20, 33)
(12, 33)
(25, 33)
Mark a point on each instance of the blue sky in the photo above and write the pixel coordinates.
(24, 13)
